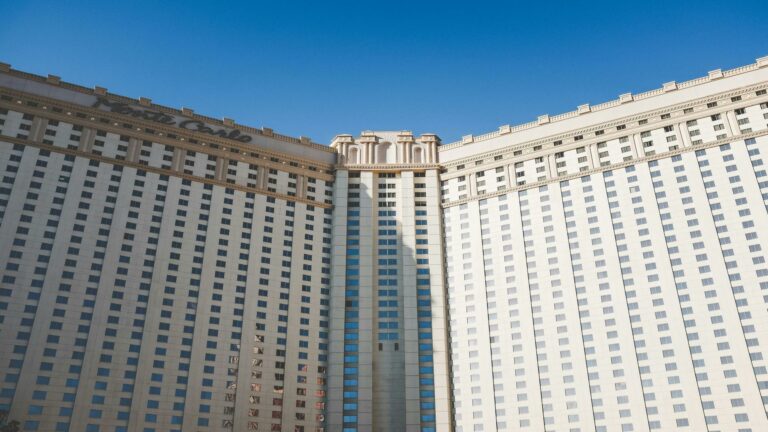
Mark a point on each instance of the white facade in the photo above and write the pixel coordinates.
(599, 270)
(606, 267)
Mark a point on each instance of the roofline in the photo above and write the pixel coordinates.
(623, 99)
(147, 102)
(466, 139)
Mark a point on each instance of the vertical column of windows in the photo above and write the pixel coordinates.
(556, 329)
(50, 321)
(516, 364)
(69, 302)
(282, 353)
(453, 304)
(389, 304)
(220, 296)
(10, 159)
(489, 283)
(115, 321)
(682, 419)
(32, 372)
(17, 315)
(535, 300)
(388, 294)
(121, 342)
(25, 126)
(756, 250)
(351, 369)
(321, 312)
(198, 396)
(293, 179)
(136, 264)
(424, 317)
(107, 374)
(225, 298)
(233, 251)
(253, 351)
(606, 333)
(471, 307)
(716, 357)
(163, 402)
(734, 221)
(295, 345)
(261, 400)
(272, 180)
(657, 327)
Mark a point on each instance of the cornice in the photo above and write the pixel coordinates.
(243, 154)
(633, 127)
(623, 99)
(388, 167)
(146, 102)
(244, 149)
(611, 167)
(160, 171)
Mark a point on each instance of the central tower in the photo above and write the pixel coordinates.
(388, 368)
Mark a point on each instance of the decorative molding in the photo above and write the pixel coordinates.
(388, 167)
(432, 156)
(384, 149)
(603, 168)
(161, 171)
(102, 91)
(636, 128)
(544, 119)
(115, 119)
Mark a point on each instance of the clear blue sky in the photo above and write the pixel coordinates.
(322, 68)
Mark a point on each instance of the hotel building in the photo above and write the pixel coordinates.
(599, 270)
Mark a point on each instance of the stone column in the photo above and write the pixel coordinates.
(134, 149)
(37, 130)
(732, 123)
(682, 131)
(409, 152)
(595, 156)
(637, 150)
(551, 166)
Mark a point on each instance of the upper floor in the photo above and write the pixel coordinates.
(676, 117)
